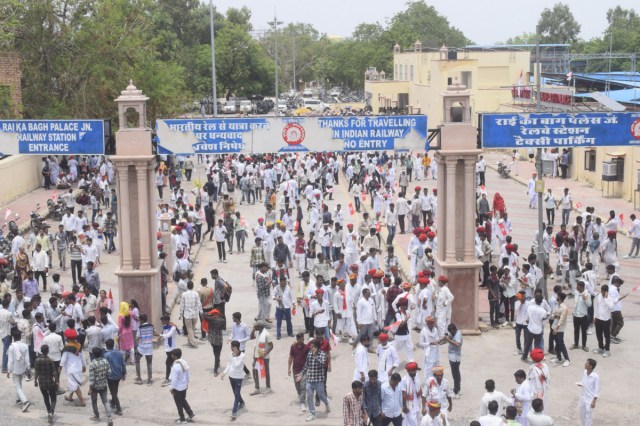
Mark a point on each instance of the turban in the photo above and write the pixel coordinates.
(431, 320)
(417, 231)
(340, 282)
(353, 276)
(418, 188)
(509, 247)
(350, 225)
(383, 337)
(443, 279)
(422, 238)
(423, 280)
(378, 274)
(612, 232)
(480, 229)
(438, 370)
(537, 355)
(214, 312)
(70, 334)
(431, 234)
(371, 272)
(412, 366)
(387, 280)
(260, 219)
(319, 292)
(406, 286)
(433, 404)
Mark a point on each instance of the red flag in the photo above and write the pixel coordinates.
(621, 219)
(503, 229)
(110, 296)
(378, 227)
(352, 210)
(296, 227)
(578, 205)
(553, 240)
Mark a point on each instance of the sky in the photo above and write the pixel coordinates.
(482, 21)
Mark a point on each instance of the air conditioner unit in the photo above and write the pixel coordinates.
(609, 171)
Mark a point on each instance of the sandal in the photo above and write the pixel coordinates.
(68, 398)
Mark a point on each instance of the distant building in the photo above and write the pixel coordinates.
(420, 76)
(10, 89)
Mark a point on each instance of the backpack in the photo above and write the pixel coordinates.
(227, 294)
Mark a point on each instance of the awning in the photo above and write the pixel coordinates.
(616, 154)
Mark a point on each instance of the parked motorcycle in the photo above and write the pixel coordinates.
(38, 222)
(503, 170)
(56, 209)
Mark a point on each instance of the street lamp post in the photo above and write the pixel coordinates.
(213, 61)
(540, 183)
(275, 24)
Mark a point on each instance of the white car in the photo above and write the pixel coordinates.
(282, 106)
(229, 107)
(307, 93)
(246, 107)
(335, 93)
(313, 104)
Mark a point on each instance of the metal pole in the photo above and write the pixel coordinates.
(275, 35)
(540, 188)
(213, 61)
(295, 83)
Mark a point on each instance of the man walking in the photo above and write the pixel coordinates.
(190, 309)
(117, 372)
(99, 370)
(590, 385)
(46, 378)
(297, 358)
(315, 372)
(18, 356)
(180, 376)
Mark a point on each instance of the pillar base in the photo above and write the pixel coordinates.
(144, 286)
(463, 278)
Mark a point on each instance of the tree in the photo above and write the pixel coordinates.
(557, 25)
(424, 23)
(524, 38)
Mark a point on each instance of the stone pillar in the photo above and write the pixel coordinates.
(138, 274)
(456, 215)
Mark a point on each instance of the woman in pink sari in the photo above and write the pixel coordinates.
(126, 332)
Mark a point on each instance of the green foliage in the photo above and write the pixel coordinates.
(557, 25)
(524, 38)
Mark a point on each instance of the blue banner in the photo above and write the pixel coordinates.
(51, 137)
(540, 130)
(300, 134)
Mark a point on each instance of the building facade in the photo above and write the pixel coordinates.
(420, 76)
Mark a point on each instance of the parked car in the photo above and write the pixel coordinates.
(313, 104)
(307, 93)
(246, 107)
(229, 107)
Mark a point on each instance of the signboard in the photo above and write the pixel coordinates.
(291, 134)
(560, 130)
(51, 137)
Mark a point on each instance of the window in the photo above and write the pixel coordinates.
(411, 73)
(405, 72)
(403, 100)
(590, 160)
(465, 76)
(449, 81)
(395, 73)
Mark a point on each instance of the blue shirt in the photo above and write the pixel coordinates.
(391, 400)
(455, 352)
(116, 361)
(372, 402)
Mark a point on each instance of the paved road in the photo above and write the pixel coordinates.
(486, 356)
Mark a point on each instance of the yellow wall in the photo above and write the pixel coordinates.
(493, 73)
(624, 189)
(20, 174)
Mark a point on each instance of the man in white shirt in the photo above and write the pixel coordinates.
(567, 204)
(319, 311)
(590, 392)
(388, 359)
(39, 264)
(391, 220)
(18, 366)
(391, 395)
(537, 417)
(634, 233)
(179, 377)
(491, 418)
(361, 358)
(366, 315)
(492, 394)
(536, 315)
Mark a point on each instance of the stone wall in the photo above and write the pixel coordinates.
(10, 76)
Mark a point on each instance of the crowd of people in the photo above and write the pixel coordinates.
(342, 274)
